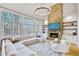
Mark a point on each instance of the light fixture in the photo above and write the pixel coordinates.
(41, 11)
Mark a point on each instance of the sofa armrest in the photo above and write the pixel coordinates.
(3, 48)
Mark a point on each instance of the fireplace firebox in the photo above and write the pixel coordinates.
(54, 35)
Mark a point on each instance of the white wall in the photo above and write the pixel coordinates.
(70, 14)
(69, 9)
(78, 23)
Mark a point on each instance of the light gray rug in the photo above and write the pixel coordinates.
(43, 49)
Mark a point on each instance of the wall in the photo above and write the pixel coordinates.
(78, 23)
(69, 9)
(70, 14)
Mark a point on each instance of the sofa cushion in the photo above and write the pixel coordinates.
(23, 50)
(10, 49)
(26, 52)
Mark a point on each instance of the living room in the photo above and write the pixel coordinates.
(39, 29)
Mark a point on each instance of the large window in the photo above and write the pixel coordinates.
(19, 25)
(10, 22)
(32, 26)
(16, 24)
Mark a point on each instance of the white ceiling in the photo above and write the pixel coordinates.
(26, 8)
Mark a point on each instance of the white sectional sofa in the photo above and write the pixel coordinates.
(17, 49)
(20, 48)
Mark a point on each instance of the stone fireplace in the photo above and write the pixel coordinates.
(56, 13)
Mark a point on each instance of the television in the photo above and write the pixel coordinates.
(54, 26)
